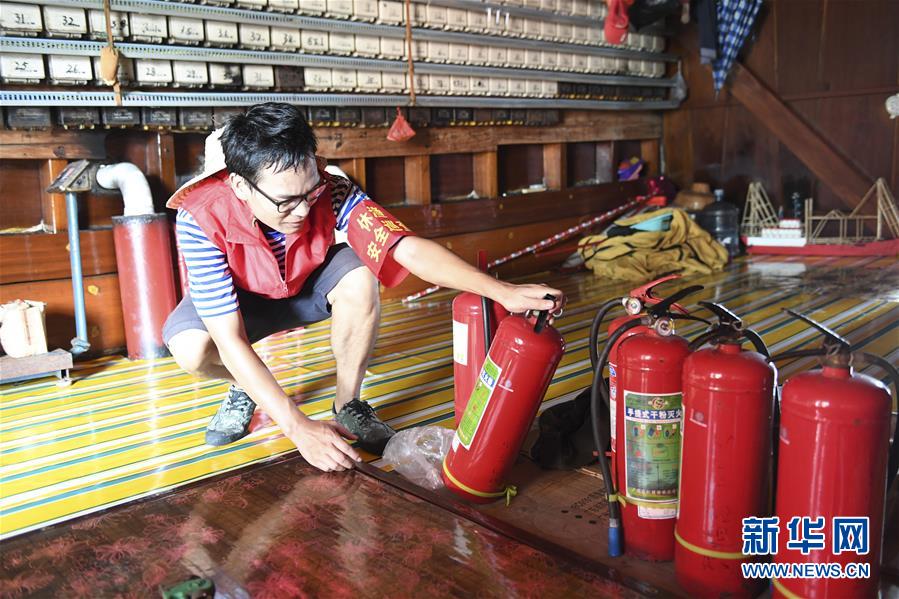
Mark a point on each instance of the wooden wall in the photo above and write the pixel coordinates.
(833, 62)
(422, 180)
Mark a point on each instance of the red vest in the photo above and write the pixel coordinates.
(230, 226)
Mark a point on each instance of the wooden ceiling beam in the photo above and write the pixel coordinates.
(845, 179)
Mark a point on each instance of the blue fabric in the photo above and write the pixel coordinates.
(735, 19)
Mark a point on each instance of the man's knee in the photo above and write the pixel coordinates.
(358, 287)
(193, 350)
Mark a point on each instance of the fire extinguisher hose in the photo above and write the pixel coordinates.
(799, 353)
(594, 328)
(599, 390)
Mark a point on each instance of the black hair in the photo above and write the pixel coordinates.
(273, 134)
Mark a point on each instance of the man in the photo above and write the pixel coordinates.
(257, 232)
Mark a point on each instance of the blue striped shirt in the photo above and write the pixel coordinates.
(209, 277)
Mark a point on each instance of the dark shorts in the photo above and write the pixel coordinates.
(263, 316)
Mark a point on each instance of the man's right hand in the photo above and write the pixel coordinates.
(322, 444)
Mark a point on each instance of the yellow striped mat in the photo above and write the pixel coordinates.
(126, 430)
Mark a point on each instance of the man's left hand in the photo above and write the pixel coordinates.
(521, 298)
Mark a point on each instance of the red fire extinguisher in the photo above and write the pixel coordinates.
(513, 380)
(633, 304)
(475, 320)
(835, 463)
(725, 457)
(648, 432)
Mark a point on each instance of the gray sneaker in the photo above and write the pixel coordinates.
(232, 421)
(360, 419)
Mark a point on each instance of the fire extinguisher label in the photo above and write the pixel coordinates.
(460, 343)
(652, 442)
(477, 404)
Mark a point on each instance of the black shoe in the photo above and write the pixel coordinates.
(232, 421)
(360, 419)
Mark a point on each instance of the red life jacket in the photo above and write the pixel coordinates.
(230, 225)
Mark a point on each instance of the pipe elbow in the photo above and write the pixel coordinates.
(130, 180)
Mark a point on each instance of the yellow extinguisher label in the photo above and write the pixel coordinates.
(477, 404)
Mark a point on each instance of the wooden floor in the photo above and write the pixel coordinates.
(125, 429)
(288, 531)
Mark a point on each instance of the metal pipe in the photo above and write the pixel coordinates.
(130, 180)
(80, 344)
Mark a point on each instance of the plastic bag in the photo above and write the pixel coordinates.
(400, 130)
(417, 454)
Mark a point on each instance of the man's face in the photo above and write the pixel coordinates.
(294, 190)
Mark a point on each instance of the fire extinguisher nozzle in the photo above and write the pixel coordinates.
(615, 544)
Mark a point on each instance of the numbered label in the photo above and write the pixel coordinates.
(153, 71)
(516, 57)
(21, 17)
(342, 8)
(226, 75)
(190, 73)
(498, 56)
(68, 21)
(21, 67)
(369, 80)
(459, 53)
(344, 43)
(366, 9)
(186, 30)
(581, 62)
(148, 26)
(478, 54)
(367, 45)
(343, 79)
(285, 39)
(460, 84)
(70, 69)
(254, 36)
(392, 48)
(315, 41)
(394, 81)
(499, 86)
(221, 33)
(118, 24)
(390, 12)
(259, 76)
(518, 87)
(318, 78)
(439, 84)
(477, 20)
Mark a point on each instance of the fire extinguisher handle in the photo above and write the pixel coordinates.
(647, 297)
(833, 341)
(543, 315)
(757, 342)
(661, 308)
(726, 318)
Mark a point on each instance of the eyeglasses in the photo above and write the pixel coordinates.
(310, 197)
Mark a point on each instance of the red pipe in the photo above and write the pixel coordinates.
(146, 281)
